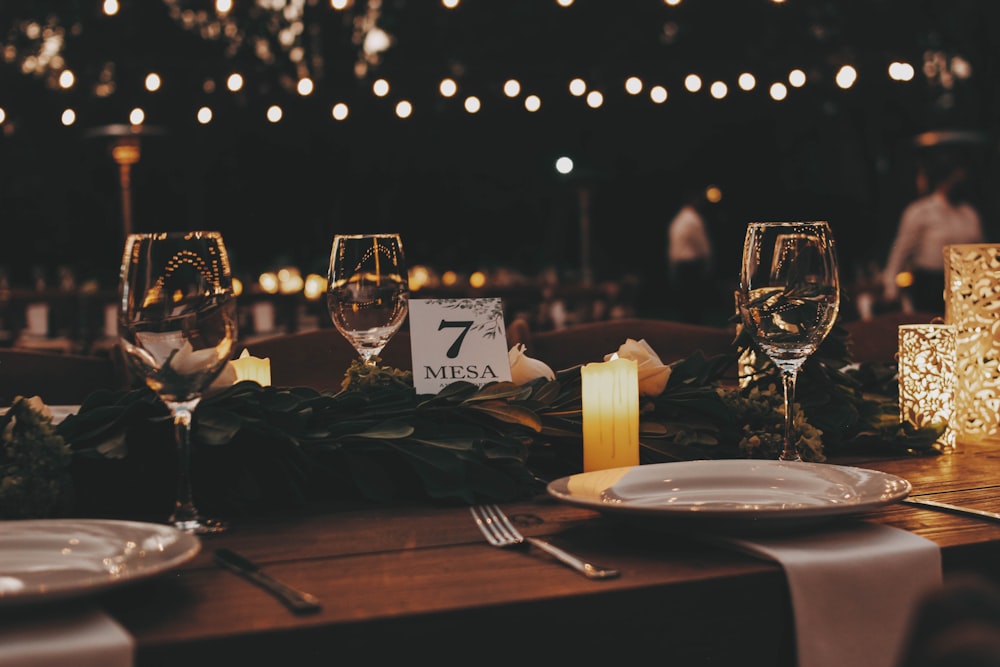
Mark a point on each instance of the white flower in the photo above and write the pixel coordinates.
(226, 378)
(524, 369)
(170, 348)
(653, 374)
(188, 361)
(35, 404)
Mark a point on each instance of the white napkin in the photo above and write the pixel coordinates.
(855, 589)
(82, 637)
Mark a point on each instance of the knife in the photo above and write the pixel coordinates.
(955, 509)
(296, 600)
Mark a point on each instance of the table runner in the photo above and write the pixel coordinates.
(855, 589)
(56, 637)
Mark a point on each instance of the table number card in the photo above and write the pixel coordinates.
(457, 339)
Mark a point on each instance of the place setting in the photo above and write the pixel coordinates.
(845, 576)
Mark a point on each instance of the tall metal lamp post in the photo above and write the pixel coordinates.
(125, 150)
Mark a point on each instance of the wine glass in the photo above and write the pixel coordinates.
(368, 290)
(177, 325)
(788, 297)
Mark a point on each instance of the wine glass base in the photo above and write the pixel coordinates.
(199, 526)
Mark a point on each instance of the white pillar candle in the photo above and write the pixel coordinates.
(610, 402)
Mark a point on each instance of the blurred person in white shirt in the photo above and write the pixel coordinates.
(941, 215)
(691, 271)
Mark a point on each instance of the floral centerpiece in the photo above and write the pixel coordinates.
(258, 448)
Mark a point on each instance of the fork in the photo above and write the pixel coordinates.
(500, 532)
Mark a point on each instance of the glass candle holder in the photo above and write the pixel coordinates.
(972, 292)
(927, 377)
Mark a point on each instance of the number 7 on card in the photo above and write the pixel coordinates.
(457, 339)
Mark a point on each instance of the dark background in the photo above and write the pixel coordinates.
(481, 191)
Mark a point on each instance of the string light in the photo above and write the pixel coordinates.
(901, 71)
(305, 87)
(340, 111)
(846, 76)
(282, 35)
(719, 90)
(448, 87)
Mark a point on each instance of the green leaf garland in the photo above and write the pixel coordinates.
(376, 440)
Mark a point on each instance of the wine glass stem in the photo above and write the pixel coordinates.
(790, 452)
(185, 511)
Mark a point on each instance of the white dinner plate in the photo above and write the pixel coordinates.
(54, 559)
(731, 494)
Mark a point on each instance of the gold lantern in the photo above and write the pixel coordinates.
(972, 306)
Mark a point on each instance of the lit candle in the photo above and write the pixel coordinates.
(610, 401)
(253, 368)
(972, 290)
(927, 376)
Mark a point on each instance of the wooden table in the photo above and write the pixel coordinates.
(408, 583)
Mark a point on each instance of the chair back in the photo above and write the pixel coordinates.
(319, 358)
(58, 379)
(877, 339)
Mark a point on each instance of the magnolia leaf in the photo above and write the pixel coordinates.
(448, 477)
(114, 448)
(500, 391)
(455, 392)
(454, 444)
(454, 436)
(455, 389)
(547, 392)
(217, 427)
(652, 428)
(388, 430)
(512, 414)
(372, 480)
(550, 431)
